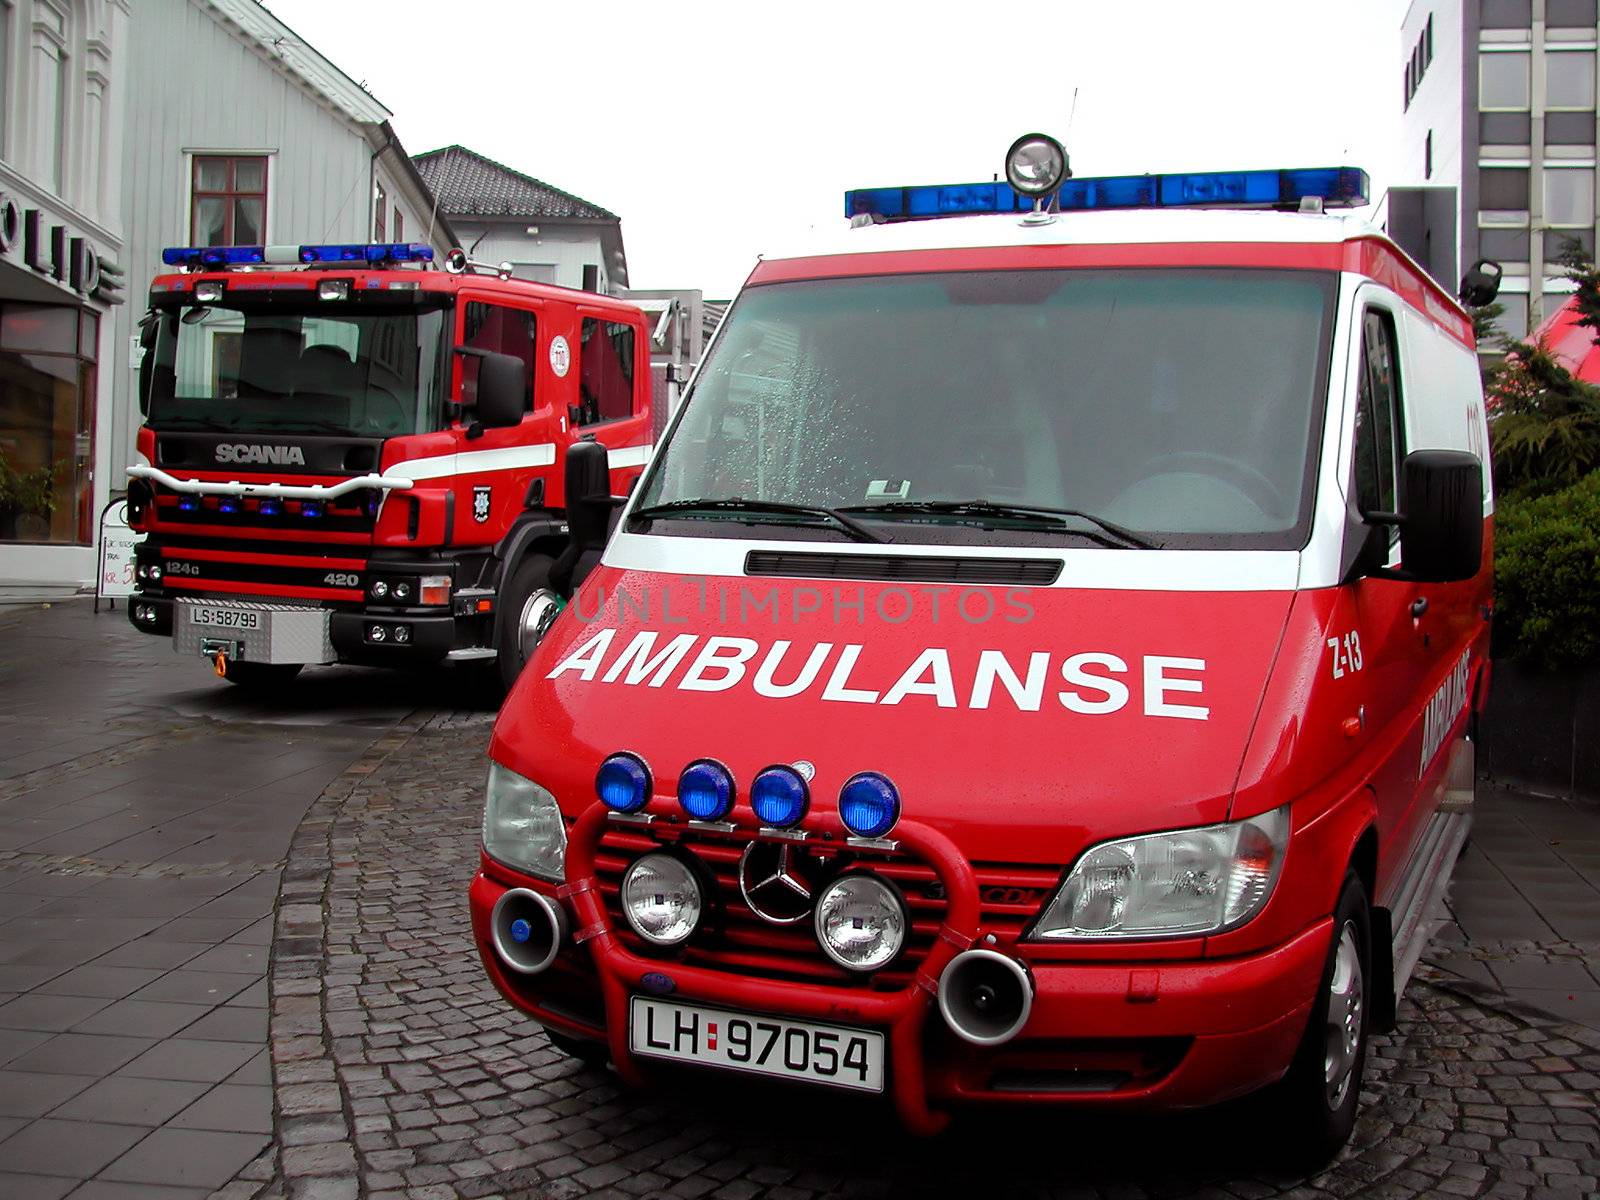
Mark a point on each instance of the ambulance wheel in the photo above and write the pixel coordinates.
(261, 677)
(527, 607)
(1314, 1105)
(590, 1054)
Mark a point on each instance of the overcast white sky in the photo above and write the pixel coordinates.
(718, 129)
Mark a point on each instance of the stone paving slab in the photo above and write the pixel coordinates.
(401, 1073)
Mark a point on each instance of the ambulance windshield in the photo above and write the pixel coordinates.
(1180, 404)
(305, 366)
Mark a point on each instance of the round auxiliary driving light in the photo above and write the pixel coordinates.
(623, 783)
(869, 804)
(860, 922)
(380, 589)
(661, 899)
(705, 790)
(155, 573)
(1036, 164)
(779, 796)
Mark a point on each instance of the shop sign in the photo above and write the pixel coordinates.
(49, 249)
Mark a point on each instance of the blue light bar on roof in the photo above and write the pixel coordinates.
(1337, 187)
(370, 254)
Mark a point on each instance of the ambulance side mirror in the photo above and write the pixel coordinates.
(1441, 518)
(1481, 284)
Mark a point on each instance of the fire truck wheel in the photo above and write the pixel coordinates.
(1314, 1104)
(592, 1054)
(261, 677)
(527, 606)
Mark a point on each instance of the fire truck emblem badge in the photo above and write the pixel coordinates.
(560, 356)
(480, 504)
(777, 881)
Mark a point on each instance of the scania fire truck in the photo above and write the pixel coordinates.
(349, 455)
(1039, 666)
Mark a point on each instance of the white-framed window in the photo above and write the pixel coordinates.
(1503, 80)
(1513, 319)
(228, 195)
(5, 77)
(380, 212)
(1569, 196)
(51, 95)
(1569, 79)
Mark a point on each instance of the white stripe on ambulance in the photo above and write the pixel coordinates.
(1093, 678)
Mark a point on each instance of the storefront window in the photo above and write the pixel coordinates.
(47, 402)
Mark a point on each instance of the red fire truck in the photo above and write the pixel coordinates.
(1038, 667)
(350, 456)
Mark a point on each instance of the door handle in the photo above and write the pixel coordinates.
(1418, 607)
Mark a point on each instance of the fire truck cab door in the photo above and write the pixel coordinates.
(613, 394)
(496, 466)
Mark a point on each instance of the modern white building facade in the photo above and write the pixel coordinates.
(1499, 108)
(128, 128)
(63, 77)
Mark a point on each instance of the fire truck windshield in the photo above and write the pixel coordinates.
(301, 367)
(1176, 404)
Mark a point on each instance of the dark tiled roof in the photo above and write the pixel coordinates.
(470, 185)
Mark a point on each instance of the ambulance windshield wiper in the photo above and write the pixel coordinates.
(817, 514)
(1126, 538)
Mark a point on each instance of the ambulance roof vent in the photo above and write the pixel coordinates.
(1335, 187)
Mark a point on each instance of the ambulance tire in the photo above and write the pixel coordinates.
(589, 1053)
(261, 677)
(1313, 1116)
(531, 577)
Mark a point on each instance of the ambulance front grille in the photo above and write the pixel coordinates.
(734, 939)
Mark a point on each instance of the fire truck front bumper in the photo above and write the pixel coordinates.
(1167, 1034)
(391, 640)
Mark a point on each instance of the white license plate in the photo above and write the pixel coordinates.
(225, 618)
(832, 1054)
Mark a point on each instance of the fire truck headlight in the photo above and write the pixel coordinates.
(1036, 164)
(623, 783)
(208, 291)
(860, 922)
(522, 825)
(1189, 881)
(661, 899)
(154, 573)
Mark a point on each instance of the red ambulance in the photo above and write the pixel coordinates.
(1038, 666)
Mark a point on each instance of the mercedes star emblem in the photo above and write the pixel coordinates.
(777, 881)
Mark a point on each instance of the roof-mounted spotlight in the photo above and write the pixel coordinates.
(1036, 165)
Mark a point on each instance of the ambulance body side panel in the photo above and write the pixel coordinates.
(1368, 697)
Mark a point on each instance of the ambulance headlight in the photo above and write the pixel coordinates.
(661, 899)
(522, 825)
(860, 922)
(1189, 881)
(1036, 164)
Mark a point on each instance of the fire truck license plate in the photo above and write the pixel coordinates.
(833, 1054)
(225, 618)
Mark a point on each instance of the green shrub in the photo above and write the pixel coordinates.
(1547, 576)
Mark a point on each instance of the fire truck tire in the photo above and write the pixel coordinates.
(1313, 1107)
(591, 1054)
(527, 605)
(261, 677)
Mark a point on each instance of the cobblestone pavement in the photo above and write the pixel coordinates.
(400, 1071)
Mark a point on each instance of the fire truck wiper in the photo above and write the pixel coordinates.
(1125, 538)
(756, 508)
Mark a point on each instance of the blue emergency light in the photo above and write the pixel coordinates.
(366, 253)
(1336, 187)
